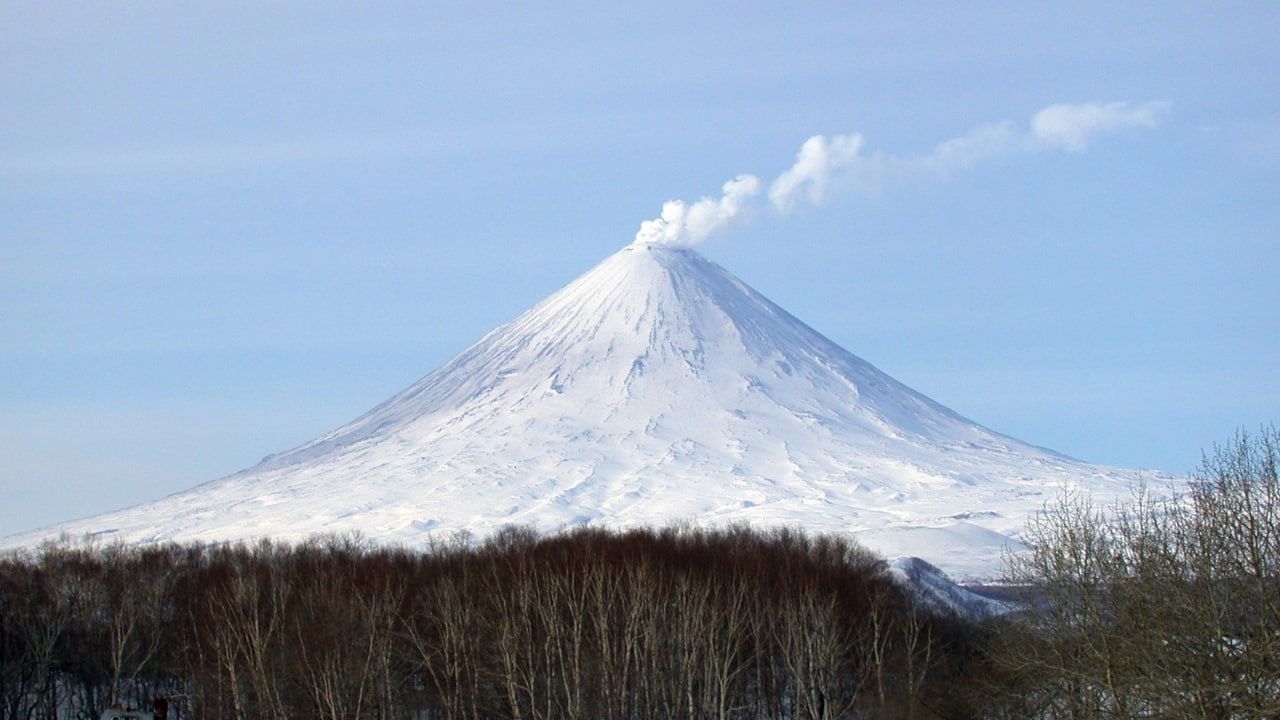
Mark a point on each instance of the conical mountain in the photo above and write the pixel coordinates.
(657, 387)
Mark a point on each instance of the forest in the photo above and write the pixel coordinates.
(1161, 606)
(677, 623)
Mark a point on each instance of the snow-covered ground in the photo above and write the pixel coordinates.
(933, 590)
(656, 387)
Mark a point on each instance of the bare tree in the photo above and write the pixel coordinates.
(1165, 606)
(250, 618)
(443, 632)
(917, 652)
(816, 648)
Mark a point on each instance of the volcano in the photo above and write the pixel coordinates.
(655, 388)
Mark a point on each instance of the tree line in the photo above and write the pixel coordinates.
(672, 623)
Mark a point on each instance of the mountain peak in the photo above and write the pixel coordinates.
(655, 387)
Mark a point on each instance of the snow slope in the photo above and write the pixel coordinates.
(934, 591)
(655, 387)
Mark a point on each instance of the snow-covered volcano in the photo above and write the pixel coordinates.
(657, 387)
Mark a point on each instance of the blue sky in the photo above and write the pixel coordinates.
(226, 229)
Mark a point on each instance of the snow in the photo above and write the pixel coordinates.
(657, 387)
(937, 592)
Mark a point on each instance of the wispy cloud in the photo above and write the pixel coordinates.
(825, 161)
(239, 154)
(217, 156)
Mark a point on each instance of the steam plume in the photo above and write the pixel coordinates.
(817, 160)
(685, 225)
(1071, 127)
(824, 162)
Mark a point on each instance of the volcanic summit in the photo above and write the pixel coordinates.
(656, 387)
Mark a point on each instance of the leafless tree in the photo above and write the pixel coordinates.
(250, 620)
(817, 648)
(1164, 605)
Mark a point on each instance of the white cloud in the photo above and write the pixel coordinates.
(1073, 127)
(686, 225)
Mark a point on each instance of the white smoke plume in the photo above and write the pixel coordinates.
(817, 160)
(686, 225)
(823, 162)
(1072, 127)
